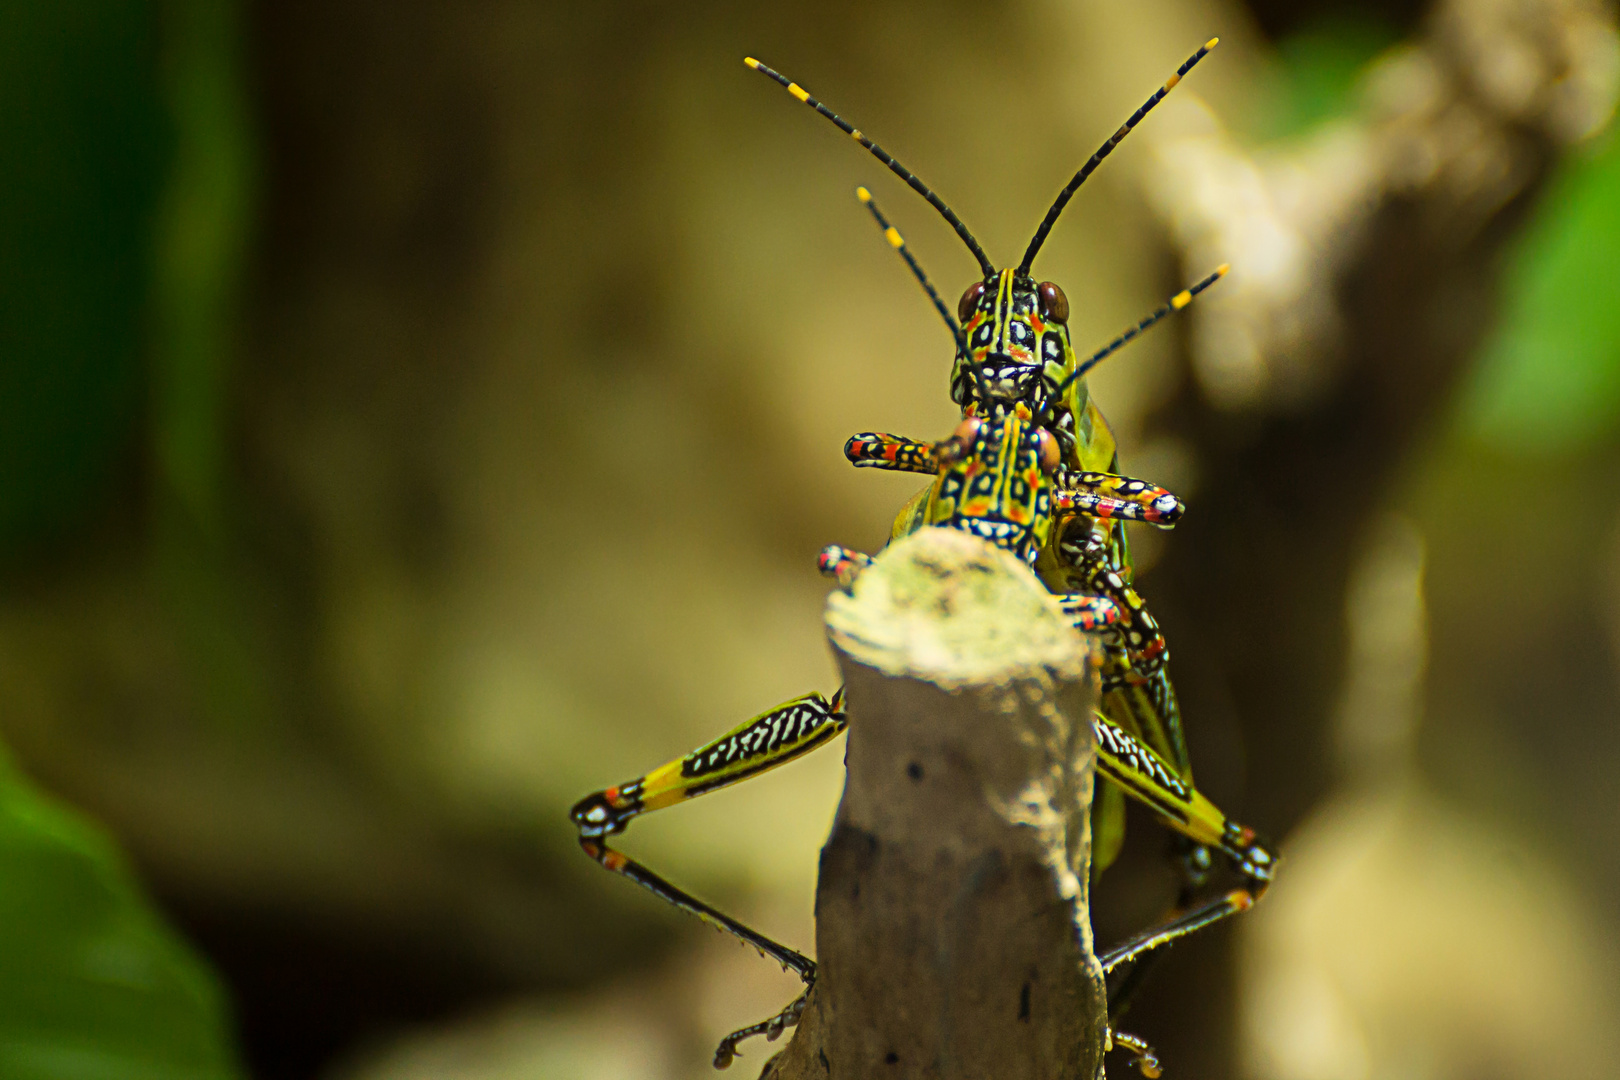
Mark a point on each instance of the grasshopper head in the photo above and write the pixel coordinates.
(1017, 338)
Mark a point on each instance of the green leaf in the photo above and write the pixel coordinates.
(1549, 380)
(93, 985)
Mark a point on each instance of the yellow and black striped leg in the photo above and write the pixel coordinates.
(1148, 706)
(770, 739)
(1143, 775)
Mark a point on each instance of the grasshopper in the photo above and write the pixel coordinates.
(1030, 469)
(1013, 346)
(1012, 339)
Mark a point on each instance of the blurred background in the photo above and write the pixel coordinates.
(414, 416)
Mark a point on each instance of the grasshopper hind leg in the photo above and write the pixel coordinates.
(1142, 1055)
(770, 739)
(772, 1029)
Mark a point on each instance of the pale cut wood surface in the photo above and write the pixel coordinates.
(952, 922)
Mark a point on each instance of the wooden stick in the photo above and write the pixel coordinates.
(952, 921)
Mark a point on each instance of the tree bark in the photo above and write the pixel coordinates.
(953, 928)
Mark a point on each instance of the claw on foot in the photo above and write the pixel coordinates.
(1147, 1062)
(772, 1029)
(843, 564)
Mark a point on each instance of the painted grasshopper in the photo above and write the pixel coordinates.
(1031, 469)
(1013, 345)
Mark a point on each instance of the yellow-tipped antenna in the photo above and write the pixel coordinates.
(1177, 302)
(1103, 151)
(898, 242)
(882, 155)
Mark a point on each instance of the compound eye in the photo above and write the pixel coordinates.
(1047, 446)
(1054, 305)
(969, 301)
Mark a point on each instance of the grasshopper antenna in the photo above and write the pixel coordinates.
(883, 155)
(1177, 302)
(1103, 151)
(898, 242)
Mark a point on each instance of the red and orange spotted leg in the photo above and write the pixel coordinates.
(877, 450)
(1115, 498)
(1090, 612)
(843, 564)
(1084, 542)
(770, 739)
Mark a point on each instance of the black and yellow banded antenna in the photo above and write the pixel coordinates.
(898, 242)
(1177, 302)
(1103, 151)
(884, 156)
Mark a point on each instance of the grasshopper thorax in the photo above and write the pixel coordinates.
(995, 481)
